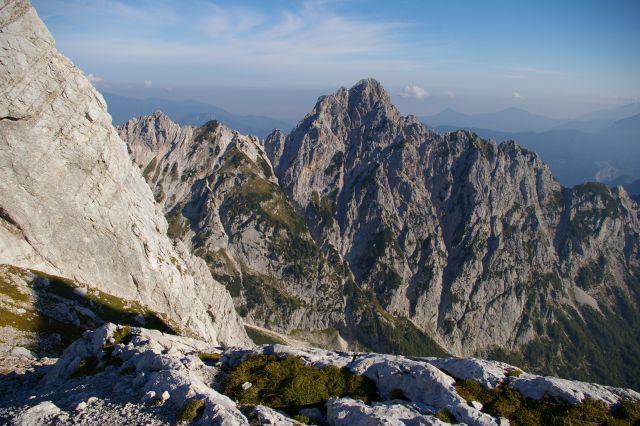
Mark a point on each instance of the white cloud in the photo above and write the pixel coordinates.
(450, 94)
(514, 76)
(147, 83)
(93, 79)
(414, 91)
(310, 40)
(517, 95)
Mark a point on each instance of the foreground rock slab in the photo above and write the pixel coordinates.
(129, 375)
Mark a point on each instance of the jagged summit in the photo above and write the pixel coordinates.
(356, 106)
(367, 93)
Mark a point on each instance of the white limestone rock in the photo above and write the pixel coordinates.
(349, 412)
(167, 369)
(269, 416)
(72, 203)
(571, 391)
(420, 382)
(43, 413)
(489, 373)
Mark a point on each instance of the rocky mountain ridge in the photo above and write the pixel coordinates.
(473, 244)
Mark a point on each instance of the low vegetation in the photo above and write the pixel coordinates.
(511, 404)
(31, 300)
(375, 328)
(191, 411)
(290, 385)
(445, 416)
(209, 358)
(88, 367)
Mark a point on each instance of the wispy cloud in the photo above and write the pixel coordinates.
(94, 79)
(235, 40)
(517, 95)
(148, 83)
(450, 94)
(414, 91)
(514, 76)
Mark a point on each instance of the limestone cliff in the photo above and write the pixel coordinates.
(71, 201)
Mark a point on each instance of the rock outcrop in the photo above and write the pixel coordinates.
(73, 204)
(147, 377)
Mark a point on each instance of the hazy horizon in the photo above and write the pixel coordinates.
(275, 60)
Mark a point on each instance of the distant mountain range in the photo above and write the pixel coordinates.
(190, 112)
(519, 120)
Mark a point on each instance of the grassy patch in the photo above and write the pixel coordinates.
(507, 402)
(323, 208)
(514, 372)
(191, 411)
(122, 335)
(47, 293)
(178, 224)
(290, 385)
(209, 358)
(378, 330)
(445, 416)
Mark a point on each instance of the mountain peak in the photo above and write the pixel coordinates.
(369, 92)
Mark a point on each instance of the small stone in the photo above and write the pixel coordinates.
(81, 406)
(165, 395)
(476, 405)
(149, 396)
(92, 399)
(246, 385)
(80, 291)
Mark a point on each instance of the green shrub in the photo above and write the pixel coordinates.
(302, 419)
(290, 385)
(191, 410)
(398, 394)
(514, 372)
(87, 367)
(507, 402)
(211, 358)
(122, 335)
(445, 416)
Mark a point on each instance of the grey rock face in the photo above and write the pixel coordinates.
(223, 201)
(476, 244)
(71, 201)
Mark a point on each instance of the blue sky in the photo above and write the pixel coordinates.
(558, 58)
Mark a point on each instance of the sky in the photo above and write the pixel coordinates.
(557, 58)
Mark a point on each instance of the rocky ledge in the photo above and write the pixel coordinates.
(129, 375)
